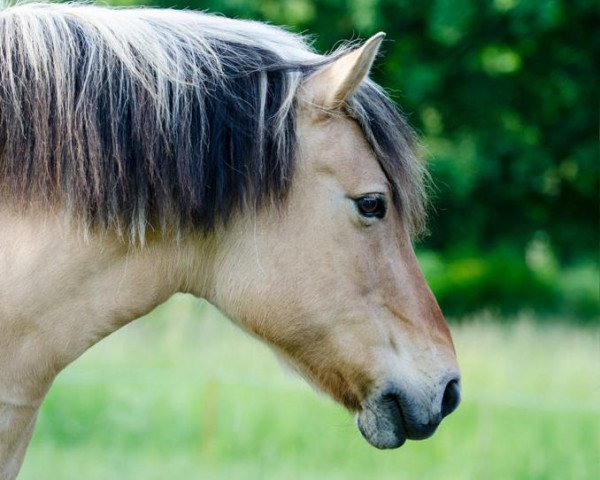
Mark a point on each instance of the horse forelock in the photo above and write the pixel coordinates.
(394, 144)
(138, 118)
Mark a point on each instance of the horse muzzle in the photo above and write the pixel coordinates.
(391, 416)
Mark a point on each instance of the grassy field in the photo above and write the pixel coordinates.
(185, 395)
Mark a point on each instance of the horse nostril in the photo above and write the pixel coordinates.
(451, 397)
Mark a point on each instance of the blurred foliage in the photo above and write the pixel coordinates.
(467, 282)
(503, 93)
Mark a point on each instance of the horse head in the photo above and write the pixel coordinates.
(331, 281)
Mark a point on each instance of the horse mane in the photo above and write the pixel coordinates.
(141, 118)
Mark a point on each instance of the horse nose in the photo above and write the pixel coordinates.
(450, 400)
(422, 425)
(451, 397)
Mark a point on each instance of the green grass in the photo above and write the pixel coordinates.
(185, 395)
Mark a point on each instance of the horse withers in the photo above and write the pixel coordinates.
(146, 152)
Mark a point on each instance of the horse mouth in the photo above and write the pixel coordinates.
(389, 418)
(381, 423)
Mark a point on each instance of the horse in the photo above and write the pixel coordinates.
(145, 152)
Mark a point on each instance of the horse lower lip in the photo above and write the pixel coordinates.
(377, 429)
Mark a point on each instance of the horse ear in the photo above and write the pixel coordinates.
(335, 82)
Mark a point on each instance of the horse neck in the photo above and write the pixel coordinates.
(61, 292)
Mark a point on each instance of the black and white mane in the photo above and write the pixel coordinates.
(136, 117)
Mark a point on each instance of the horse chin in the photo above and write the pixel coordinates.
(379, 426)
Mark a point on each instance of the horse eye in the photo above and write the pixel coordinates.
(371, 206)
